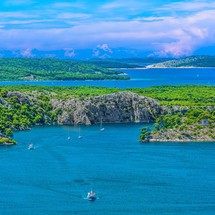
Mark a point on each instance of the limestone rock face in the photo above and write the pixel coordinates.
(20, 97)
(111, 108)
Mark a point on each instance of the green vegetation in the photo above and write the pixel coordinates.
(5, 140)
(145, 134)
(188, 106)
(195, 124)
(182, 119)
(126, 62)
(24, 106)
(180, 95)
(111, 64)
(194, 61)
(59, 92)
(16, 69)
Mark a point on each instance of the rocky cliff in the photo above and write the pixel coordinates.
(113, 108)
(22, 110)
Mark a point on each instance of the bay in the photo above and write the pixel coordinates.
(128, 177)
(141, 78)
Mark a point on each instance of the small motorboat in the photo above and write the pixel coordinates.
(31, 146)
(91, 196)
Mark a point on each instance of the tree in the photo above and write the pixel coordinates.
(145, 134)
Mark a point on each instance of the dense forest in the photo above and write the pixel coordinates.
(126, 62)
(194, 61)
(180, 95)
(195, 124)
(16, 69)
(23, 106)
(192, 119)
(112, 64)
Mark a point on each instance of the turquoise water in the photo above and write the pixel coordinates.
(141, 78)
(129, 177)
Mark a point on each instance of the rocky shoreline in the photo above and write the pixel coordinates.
(121, 107)
(44, 108)
(193, 133)
(112, 108)
(5, 141)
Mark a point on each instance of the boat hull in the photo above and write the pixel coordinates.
(91, 198)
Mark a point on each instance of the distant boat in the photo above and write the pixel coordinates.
(31, 146)
(91, 196)
(101, 127)
(79, 133)
(68, 138)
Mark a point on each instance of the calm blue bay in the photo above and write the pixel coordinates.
(141, 78)
(129, 177)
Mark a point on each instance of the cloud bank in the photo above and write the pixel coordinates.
(167, 29)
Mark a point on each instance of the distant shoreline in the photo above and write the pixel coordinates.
(182, 67)
(178, 141)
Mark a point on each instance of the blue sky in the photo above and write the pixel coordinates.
(165, 28)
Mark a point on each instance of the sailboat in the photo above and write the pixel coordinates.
(68, 138)
(101, 127)
(31, 146)
(79, 133)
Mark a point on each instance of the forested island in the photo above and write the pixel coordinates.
(126, 62)
(33, 69)
(187, 62)
(180, 113)
(112, 63)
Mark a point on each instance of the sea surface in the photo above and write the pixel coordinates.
(141, 78)
(129, 177)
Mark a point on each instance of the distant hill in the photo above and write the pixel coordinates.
(111, 63)
(144, 60)
(194, 61)
(15, 69)
(126, 62)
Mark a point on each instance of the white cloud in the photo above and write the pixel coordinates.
(69, 52)
(105, 48)
(165, 35)
(27, 53)
(102, 51)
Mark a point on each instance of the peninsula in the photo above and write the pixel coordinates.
(187, 62)
(177, 111)
(34, 69)
(188, 115)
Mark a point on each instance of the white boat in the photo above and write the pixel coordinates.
(79, 133)
(91, 196)
(101, 127)
(68, 138)
(31, 146)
